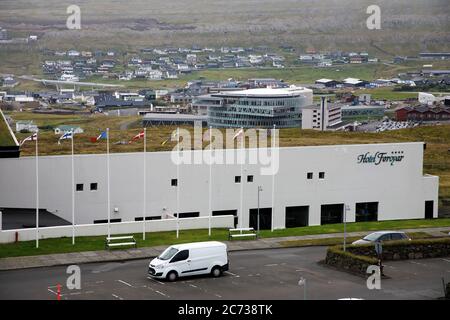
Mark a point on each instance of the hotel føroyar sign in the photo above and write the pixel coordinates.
(380, 157)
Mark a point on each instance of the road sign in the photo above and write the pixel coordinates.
(378, 248)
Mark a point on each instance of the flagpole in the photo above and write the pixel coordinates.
(242, 178)
(178, 182)
(108, 189)
(145, 183)
(37, 193)
(73, 197)
(210, 181)
(273, 176)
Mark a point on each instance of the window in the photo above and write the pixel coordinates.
(309, 175)
(106, 221)
(321, 175)
(94, 186)
(397, 236)
(180, 256)
(174, 182)
(79, 187)
(249, 178)
(237, 179)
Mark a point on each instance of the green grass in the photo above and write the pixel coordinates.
(5, 136)
(64, 245)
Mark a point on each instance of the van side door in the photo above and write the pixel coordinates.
(181, 262)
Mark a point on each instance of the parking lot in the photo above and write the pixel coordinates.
(257, 274)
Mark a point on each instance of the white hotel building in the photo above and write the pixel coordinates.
(313, 186)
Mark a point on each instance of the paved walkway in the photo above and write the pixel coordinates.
(150, 252)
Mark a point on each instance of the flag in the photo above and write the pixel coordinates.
(239, 133)
(67, 135)
(101, 136)
(172, 135)
(33, 137)
(140, 135)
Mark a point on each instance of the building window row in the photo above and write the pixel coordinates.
(310, 175)
(80, 186)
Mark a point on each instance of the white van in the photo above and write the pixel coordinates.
(190, 259)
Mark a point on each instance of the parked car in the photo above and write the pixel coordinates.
(382, 236)
(190, 259)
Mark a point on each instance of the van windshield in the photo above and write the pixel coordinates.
(168, 254)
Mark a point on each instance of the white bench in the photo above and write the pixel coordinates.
(128, 241)
(243, 232)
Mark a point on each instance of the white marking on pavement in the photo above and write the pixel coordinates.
(446, 260)
(233, 274)
(418, 263)
(161, 293)
(125, 283)
(193, 286)
(155, 280)
(117, 297)
(217, 295)
(271, 265)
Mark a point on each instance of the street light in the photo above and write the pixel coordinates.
(259, 190)
(346, 208)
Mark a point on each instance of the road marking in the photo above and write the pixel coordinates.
(233, 274)
(155, 280)
(418, 263)
(446, 260)
(51, 291)
(161, 293)
(125, 283)
(117, 297)
(217, 295)
(271, 265)
(193, 286)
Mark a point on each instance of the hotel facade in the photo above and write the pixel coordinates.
(313, 186)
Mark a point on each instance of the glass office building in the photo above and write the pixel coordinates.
(261, 108)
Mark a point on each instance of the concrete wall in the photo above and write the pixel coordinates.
(401, 189)
(117, 228)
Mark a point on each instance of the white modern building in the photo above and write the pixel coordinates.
(323, 116)
(313, 186)
(260, 107)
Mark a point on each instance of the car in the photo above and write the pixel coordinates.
(190, 259)
(382, 236)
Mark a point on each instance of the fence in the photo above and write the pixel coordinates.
(7, 236)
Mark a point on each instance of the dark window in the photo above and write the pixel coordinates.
(79, 187)
(106, 221)
(265, 218)
(148, 218)
(385, 237)
(321, 175)
(94, 186)
(397, 236)
(237, 179)
(249, 178)
(366, 211)
(309, 175)
(297, 216)
(188, 214)
(429, 209)
(331, 213)
(174, 182)
(180, 256)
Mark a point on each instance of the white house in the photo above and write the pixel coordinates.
(26, 126)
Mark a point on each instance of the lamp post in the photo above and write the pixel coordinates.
(259, 190)
(346, 208)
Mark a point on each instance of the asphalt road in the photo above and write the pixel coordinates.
(258, 274)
